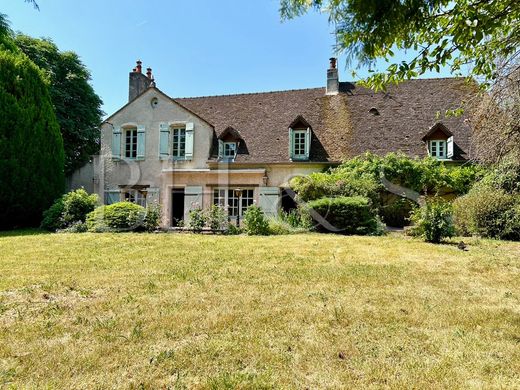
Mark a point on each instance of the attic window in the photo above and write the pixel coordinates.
(374, 111)
(439, 141)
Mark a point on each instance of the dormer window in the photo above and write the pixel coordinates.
(439, 141)
(228, 144)
(299, 139)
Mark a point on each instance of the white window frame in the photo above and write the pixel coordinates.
(300, 134)
(130, 148)
(230, 150)
(134, 196)
(438, 148)
(178, 147)
(225, 197)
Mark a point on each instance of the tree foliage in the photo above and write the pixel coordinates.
(77, 106)
(31, 147)
(459, 34)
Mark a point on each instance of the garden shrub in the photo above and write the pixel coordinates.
(346, 215)
(217, 218)
(52, 217)
(256, 224)
(296, 218)
(488, 212)
(121, 216)
(152, 220)
(196, 219)
(69, 209)
(434, 220)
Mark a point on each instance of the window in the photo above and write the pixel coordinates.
(131, 143)
(438, 149)
(230, 149)
(135, 196)
(228, 197)
(299, 143)
(179, 142)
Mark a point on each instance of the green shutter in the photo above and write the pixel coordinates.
(268, 200)
(192, 199)
(188, 154)
(220, 148)
(164, 141)
(291, 143)
(116, 143)
(307, 143)
(141, 142)
(112, 196)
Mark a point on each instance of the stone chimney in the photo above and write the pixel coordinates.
(332, 78)
(138, 82)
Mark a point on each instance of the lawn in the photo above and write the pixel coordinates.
(307, 311)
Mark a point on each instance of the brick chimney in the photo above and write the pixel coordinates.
(138, 82)
(332, 78)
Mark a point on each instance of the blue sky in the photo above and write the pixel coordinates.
(196, 47)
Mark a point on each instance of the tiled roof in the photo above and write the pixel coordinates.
(343, 125)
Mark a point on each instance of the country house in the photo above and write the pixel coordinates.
(235, 150)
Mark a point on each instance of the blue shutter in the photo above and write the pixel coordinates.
(291, 144)
(192, 199)
(449, 145)
(116, 143)
(220, 149)
(307, 143)
(112, 196)
(268, 200)
(164, 141)
(188, 154)
(141, 145)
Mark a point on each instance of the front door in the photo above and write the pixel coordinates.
(177, 206)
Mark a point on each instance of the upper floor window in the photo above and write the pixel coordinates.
(176, 141)
(179, 142)
(438, 149)
(300, 140)
(131, 143)
(230, 149)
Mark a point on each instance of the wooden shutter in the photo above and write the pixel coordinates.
(164, 141)
(220, 148)
(141, 142)
(116, 143)
(291, 143)
(188, 154)
(268, 200)
(449, 147)
(192, 199)
(152, 196)
(112, 196)
(307, 143)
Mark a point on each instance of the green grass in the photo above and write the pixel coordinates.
(305, 311)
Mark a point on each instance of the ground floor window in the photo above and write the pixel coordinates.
(235, 203)
(135, 196)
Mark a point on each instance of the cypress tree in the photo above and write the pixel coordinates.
(31, 146)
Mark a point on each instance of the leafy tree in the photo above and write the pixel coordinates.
(31, 147)
(472, 34)
(77, 106)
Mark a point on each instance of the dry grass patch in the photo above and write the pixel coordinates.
(316, 311)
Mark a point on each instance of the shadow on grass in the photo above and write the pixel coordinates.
(23, 232)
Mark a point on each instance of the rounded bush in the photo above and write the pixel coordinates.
(122, 216)
(69, 209)
(345, 215)
(488, 212)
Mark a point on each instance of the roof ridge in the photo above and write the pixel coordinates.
(251, 93)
